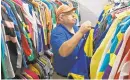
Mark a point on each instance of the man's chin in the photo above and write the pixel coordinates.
(73, 23)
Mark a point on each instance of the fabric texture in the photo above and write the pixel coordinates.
(98, 54)
(124, 67)
(110, 55)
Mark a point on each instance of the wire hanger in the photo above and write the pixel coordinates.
(121, 5)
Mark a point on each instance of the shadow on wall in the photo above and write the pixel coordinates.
(87, 14)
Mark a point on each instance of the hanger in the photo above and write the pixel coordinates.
(119, 5)
(122, 4)
(121, 10)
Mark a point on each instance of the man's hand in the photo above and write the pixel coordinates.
(68, 46)
(85, 27)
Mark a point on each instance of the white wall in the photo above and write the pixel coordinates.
(91, 9)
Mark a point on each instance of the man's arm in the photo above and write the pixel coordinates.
(68, 46)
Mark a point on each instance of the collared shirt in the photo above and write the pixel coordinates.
(121, 53)
(103, 15)
(110, 54)
(12, 40)
(108, 68)
(88, 47)
(17, 28)
(126, 49)
(9, 12)
(59, 35)
(7, 68)
(125, 67)
(98, 54)
(98, 41)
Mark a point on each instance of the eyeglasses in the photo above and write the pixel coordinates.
(70, 13)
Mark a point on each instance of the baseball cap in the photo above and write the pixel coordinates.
(63, 9)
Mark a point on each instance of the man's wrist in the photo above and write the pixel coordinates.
(81, 33)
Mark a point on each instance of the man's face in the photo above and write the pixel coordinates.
(69, 18)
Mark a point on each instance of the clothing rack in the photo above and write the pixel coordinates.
(26, 28)
(106, 63)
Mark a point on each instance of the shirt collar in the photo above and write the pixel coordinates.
(74, 27)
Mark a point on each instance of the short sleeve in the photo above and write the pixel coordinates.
(57, 39)
(76, 28)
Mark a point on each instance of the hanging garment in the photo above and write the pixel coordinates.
(50, 72)
(124, 70)
(11, 39)
(11, 15)
(31, 74)
(98, 40)
(24, 32)
(32, 68)
(44, 12)
(108, 46)
(31, 23)
(101, 21)
(88, 47)
(52, 11)
(6, 63)
(39, 68)
(120, 54)
(108, 69)
(27, 76)
(18, 2)
(110, 55)
(15, 13)
(45, 74)
(9, 12)
(98, 54)
(105, 50)
(116, 52)
(22, 77)
(126, 49)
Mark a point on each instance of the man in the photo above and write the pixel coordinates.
(66, 39)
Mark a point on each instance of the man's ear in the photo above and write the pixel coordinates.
(60, 18)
